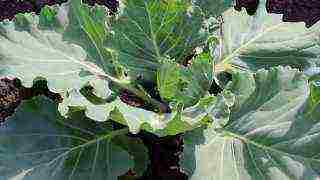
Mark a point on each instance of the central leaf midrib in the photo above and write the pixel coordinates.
(108, 136)
(248, 43)
(153, 37)
(262, 146)
(101, 59)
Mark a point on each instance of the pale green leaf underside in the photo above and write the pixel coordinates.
(45, 46)
(131, 116)
(264, 40)
(33, 53)
(270, 134)
(37, 143)
(137, 118)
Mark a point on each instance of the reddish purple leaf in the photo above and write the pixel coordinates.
(250, 5)
(307, 11)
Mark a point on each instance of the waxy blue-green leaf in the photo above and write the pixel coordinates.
(61, 45)
(270, 134)
(87, 27)
(27, 52)
(64, 43)
(37, 143)
(60, 55)
(147, 31)
(264, 40)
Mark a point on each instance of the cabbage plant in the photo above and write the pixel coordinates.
(153, 67)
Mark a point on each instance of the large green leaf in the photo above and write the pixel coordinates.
(264, 40)
(59, 51)
(61, 45)
(37, 143)
(87, 28)
(64, 43)
(270, 133)
(148, 31)
(28, 52)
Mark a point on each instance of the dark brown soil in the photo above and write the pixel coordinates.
(12, 93)
(165, 154)
(10, 98)
(9, 8)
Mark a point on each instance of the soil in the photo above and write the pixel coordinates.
(10, 98)
(165, 154)
(12, 93)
